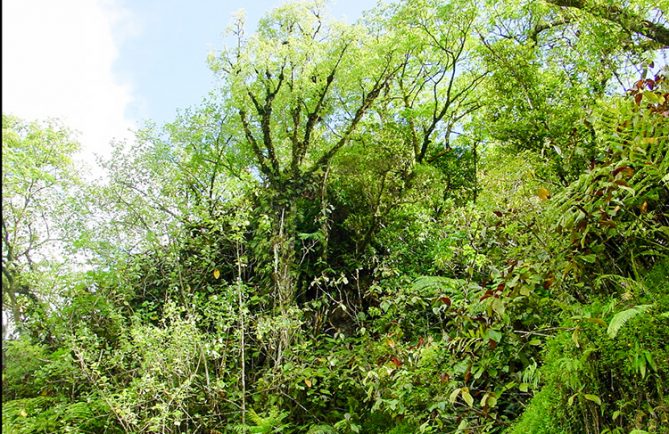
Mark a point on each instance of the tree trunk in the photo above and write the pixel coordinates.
(283, 275)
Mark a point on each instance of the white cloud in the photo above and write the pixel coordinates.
(57, 59)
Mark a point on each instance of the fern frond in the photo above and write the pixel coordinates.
(621, 318)
(436, 282)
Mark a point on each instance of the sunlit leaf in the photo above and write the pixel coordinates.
(574, 338)
(467, 397)
(454, 395)
(543, 193)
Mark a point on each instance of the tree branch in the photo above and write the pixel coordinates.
(254, 145)
(534, 34)
(367, 100)
(624, 18)
(313, 116)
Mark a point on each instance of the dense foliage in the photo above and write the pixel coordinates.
(447, 217)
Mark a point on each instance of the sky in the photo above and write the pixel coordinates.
(104, 67)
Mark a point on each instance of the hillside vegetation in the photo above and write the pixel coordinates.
(451, 216)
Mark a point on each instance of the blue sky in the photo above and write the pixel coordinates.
(166, 59)
(105, 66)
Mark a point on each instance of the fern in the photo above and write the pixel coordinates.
(621, 318)
(321, 429)
(30, 415)
(439, 283)
(272, 423)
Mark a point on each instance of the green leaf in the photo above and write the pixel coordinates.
(488, 400)
(454, 395)
(593, 398)
(498, 306)
(495, 335)
(574, 337)
(467, 397)
(649, 358)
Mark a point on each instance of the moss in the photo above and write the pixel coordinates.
(628, 373)
(539, 416)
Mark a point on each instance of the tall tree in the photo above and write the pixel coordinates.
(37, 174)
(551, 62)
(300, 87)
(428, 105)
